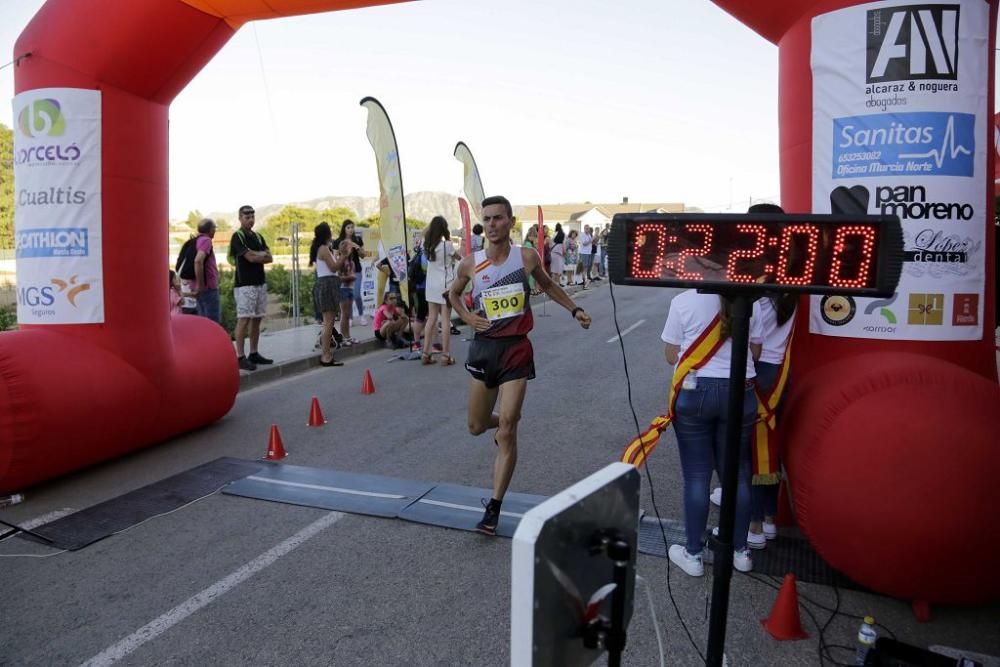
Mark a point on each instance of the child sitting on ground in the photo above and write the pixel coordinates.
(390, 322)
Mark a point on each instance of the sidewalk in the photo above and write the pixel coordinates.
(293, 350)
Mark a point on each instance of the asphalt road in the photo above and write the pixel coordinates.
(235, 581)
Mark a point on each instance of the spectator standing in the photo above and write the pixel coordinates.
(205, 286)
(602, 253)
(477, 237)
(572, 256)
(531, 241)
(174, 293)
(586, 253)
(349, 231)
(327, 289)
(699, 411)
(440, 271)
(250, 253)
(344, 249)
(558, 266)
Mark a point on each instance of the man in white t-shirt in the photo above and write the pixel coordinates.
(586, 244)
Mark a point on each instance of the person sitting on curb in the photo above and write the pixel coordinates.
(390, 322)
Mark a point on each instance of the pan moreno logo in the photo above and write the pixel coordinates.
(42, 117)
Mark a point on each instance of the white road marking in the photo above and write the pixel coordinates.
(336, 489)
(467, 508)
(46, 518)
(611, 340)
(157, 627)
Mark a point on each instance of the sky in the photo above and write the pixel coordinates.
(559, 101)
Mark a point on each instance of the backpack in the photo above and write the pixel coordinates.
(185, 259)
(415, 269)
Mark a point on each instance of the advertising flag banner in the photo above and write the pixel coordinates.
(463, 209)
(392, 221)
(541, 232)
(472, 185)
(901, 127)
(57, 206)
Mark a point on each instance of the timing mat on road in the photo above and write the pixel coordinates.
(85, 527)
(444, 505)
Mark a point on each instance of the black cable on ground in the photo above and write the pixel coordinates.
(649, 477)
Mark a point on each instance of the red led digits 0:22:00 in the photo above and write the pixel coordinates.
(792, 253)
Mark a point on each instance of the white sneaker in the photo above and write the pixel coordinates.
(756, 540)
(716, 496)
(691, 565)
(742, 560)
(363, 320)
(770, 530)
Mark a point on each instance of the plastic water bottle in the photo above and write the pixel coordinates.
(11, 500)
(866, 640)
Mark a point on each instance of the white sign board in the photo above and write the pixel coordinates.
(900, 126)
(57, 206)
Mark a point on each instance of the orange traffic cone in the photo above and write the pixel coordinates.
(368, 386)
(275, 447)
(784, 622)
(785, 516)
(315, 414)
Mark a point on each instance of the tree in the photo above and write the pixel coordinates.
(6, 187)
(194, 217)
(280, 224)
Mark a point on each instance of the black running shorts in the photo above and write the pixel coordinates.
(498, 360)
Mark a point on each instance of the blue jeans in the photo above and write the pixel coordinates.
(700, 417)
(208, 304)
(764, 497)
(358, 302)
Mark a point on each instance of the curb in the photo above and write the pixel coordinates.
(264, 375)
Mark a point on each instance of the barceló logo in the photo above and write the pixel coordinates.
(42, 117)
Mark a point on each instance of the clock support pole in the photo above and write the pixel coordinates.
(722, 570)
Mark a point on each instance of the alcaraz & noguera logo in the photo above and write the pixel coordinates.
(42, 117)
(928, 143)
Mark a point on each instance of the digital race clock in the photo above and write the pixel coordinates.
(819, 254)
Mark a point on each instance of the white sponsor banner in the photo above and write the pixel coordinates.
(900, 126)
(57, 206)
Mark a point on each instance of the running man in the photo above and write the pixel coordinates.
(500, 353)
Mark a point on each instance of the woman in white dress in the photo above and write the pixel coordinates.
(439, 254)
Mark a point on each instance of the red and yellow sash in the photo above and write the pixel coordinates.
(766, 446)
(696, 356)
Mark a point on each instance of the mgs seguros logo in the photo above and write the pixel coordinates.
(912, 42)
(42, 117)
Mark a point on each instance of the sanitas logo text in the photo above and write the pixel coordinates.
(913, 42)
(52, 242)
(42, 117)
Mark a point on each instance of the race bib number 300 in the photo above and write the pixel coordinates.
(503, 301)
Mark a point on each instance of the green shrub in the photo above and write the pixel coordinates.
(8, 317)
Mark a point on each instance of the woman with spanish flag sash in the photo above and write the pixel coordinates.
(777, 318)
(698, 345)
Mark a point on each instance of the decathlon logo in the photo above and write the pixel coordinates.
(70, 288)
(52, 242)
(42, 118)
(913, 42)
(928, 143)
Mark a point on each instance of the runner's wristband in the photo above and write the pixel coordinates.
(574, 312)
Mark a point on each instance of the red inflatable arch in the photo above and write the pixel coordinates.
(893, 447)
(73, 395)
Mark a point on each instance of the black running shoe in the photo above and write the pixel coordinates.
(259, 359)
(488, 524)
(246, 364)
